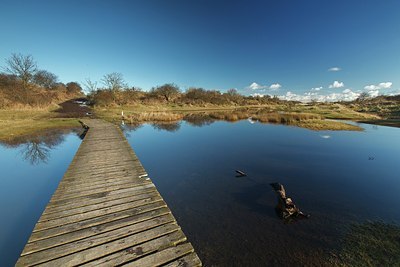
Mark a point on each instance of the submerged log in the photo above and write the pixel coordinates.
(285, 207)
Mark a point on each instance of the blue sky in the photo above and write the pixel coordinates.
(267, 47)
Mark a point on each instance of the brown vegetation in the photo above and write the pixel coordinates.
(24, 86)
(200, 118)
(154, 117)
(13, 94)
(170, 94)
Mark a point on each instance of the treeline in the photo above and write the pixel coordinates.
(23, 84)
(116, 92)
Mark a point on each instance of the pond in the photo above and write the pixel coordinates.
(31, 168)
(338, 177)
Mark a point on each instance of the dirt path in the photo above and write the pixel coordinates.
(74, 108)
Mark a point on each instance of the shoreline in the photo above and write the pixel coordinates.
(16, 123)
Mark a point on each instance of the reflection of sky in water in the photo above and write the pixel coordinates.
(232, 220)
(30, 172)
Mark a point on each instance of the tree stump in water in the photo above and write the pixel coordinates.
(285, 207)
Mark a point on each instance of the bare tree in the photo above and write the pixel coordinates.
(90, 85)
(168, 91)
(45, 79)
(362, 97)
(114, 81)
(22, 66)
(233, 94)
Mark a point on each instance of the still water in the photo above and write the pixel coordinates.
(339, 178)
(31, 169)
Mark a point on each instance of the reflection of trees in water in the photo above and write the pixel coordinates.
(127, 128)
(35, 152)
(168, 126)
(36, 148)
(199, 119)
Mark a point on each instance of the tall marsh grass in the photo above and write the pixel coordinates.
(154, 117)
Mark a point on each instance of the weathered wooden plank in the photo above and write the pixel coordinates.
(106, 181)
(59, 230)
(189, 260)
(91, 231)
(99, 190)
(99, 169)
(42, 225)
(99, 198)
(82, 188)
(130, 199)
(132, 252)
(113, 246)
(67, 254)
(163, 256)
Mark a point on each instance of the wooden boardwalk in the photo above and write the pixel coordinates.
(106, 211)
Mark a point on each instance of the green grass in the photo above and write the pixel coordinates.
(16, 123)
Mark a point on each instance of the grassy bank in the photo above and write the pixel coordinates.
(27, 121)
(15, 123)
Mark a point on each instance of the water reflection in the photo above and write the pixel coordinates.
(199, 119)
(36, 152)
(36, 148)
(31, 169)
(169, 126)
(170, 121)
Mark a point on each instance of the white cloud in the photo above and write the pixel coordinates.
(275, 86)
(335, 69)
(317, 88)
(336, 84)
(346, 95)
(373, 93)
(383, 85)
(257, 94)
(371, 87)
(256, 86)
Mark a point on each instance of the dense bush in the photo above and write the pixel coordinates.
(15, 94)
(23, 85)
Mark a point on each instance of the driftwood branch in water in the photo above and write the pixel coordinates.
(240, 173)
(85, 130)
(84, 125)
(286, 208)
